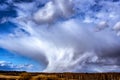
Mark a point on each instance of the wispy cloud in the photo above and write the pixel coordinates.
(57, 36)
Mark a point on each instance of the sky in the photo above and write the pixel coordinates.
(60, 35)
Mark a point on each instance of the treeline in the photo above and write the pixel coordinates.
(13, 73)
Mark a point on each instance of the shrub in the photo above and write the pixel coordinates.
(25, 76)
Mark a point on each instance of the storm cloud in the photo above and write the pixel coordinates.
(66, 35)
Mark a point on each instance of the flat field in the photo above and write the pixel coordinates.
(16, 75)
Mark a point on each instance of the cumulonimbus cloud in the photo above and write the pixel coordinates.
(70, 44)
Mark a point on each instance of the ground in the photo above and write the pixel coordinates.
(15, 75)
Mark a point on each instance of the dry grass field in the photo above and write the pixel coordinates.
(14, 75)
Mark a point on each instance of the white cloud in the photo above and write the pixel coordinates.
(68, 45)
(4, 65)
(102, 25)
(47, 14)
(116, 27)
(53, 10)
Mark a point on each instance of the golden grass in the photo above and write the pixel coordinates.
(60, 76)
